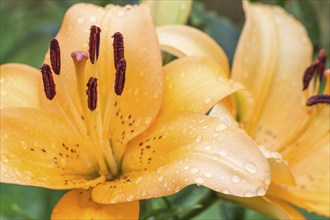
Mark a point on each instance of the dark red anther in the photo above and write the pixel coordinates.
(120, 76)
(322, 57)
(309, 73)
(118, 48)
(94, 43)
(92, 93)
(55, 56)
(325, 99)
(48, 81)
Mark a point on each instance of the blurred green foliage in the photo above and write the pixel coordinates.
(25, 31)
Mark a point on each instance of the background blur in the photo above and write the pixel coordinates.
(26, 28)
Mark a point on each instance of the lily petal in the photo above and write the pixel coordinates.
(20, 85)
(180, 40)
(191, 149)
(272, 54)
(144, 78)
(57, 159)
(269, 206)
(74, 36)
(194, 84)
(78, 204)
(308, 158)
(132, 112)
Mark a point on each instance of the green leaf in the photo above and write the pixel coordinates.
(221, 29)
(24, 202)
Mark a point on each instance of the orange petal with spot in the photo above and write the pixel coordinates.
(194, 84)
(272, 54)
(20, 86)
(39, 148)
(190, 149)
(182, 40)
(308, 158)
(78, 204)
(131, 113)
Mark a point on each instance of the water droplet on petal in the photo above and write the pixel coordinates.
(199, 180)
(261, 191)
(160, 179)
(251, 167)
(208, 174)
(160, 169)
(235, 179)
(208, 100)
(267, 181)
(63, 162)
(4, 157)
(221, 127)
(225, 191)
(248, 194)
(194, 170)
(80, 20)
(222, 152)
(92, 18)
(186, 167)
(198, 138)
(130, 198)
(120, 13)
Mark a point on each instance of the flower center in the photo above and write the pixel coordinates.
(321, 81)
(87, 118)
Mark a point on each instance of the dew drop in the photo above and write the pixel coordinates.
(177, 189)
(222, 152)
(92, 18)
(199, 180)
(208, 174)
(63, 162)
(248, 194)
(120, 13)
(24, 145)
(235, 179)
(130, 198)
(225, 191)
(148, 120)
(194, 170)
(80, 20)
(139, 179)
(208, 100)
(205, 127)
(221, 127)
(4, 157)
(198, 138)
(160, 179)
(186, 167)
(160, 169)
(251, 167)
(261, 191)
(267, 181)
(208, 147)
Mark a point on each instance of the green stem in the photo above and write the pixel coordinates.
(208, 200)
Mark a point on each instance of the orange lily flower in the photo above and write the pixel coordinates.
(272, 55)
(128, 139)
